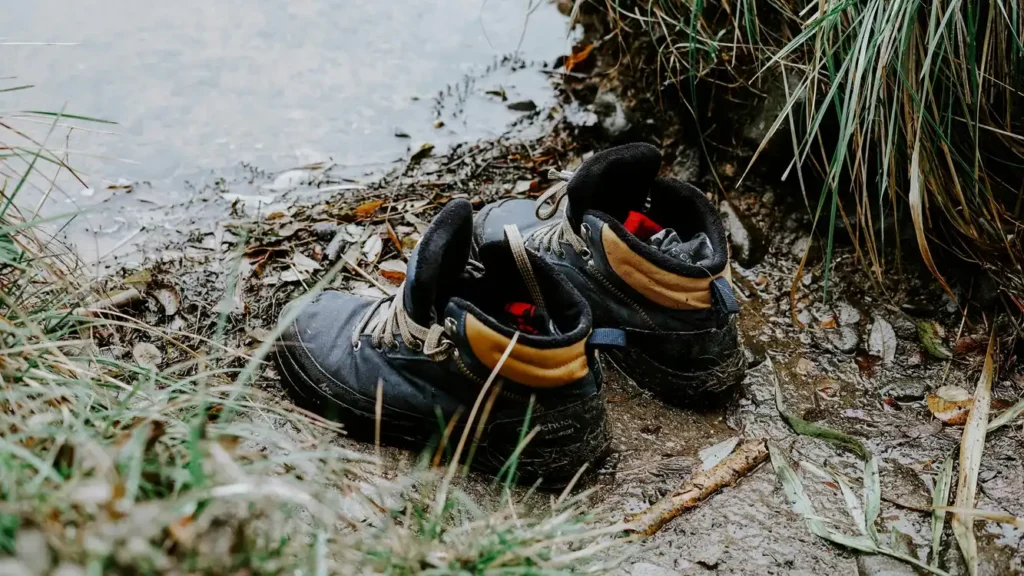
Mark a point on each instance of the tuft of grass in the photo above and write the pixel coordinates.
(907, 110)
(112, 466)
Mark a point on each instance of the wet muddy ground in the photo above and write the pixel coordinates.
(857, 364)
(853, 361)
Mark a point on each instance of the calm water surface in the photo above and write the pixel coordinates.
(199, 86)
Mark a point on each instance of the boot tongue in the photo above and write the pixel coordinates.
(613, 181)
(438, 262)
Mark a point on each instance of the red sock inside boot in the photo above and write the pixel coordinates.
(641, 226)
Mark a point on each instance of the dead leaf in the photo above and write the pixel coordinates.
(882, 340)
(712, 455)
(577, 57)
(951, 404)
(146, 355)
(367, 209)
(139, 280)
(499, 92)
(182, 531)
(301, 266)
(168, 298)
(393, 271)
(372, 248)
(393, 236)
(828, 323)
(932, 336)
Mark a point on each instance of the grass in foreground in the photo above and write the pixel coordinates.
(114, 459)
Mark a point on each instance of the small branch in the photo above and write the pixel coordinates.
(748, 456)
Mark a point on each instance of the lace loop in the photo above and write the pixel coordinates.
(381, 328)
(550, 236)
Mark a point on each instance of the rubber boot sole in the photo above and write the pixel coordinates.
(566, 438)
(678, 385)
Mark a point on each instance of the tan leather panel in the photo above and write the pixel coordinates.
(536, 367)
(656, 284)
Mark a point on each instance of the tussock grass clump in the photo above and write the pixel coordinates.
(127, 448)
(902, 108)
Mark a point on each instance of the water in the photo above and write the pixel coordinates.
(200, 86)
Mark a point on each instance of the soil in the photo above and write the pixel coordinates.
(831, 369)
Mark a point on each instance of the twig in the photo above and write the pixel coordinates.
(118, 300)
(700, 487)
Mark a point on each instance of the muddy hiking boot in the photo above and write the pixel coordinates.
(433, 345)
(650, 256)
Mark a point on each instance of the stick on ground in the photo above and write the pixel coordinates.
(749, 455)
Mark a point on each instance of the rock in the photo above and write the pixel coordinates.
(748, 245)
(805, 317)
(845, 339)
(687, 165)
(907, 389)
(612, 115)
(800, 246)
(847, 314)
(523, 106)
(769, 108)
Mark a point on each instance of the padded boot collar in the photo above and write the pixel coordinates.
(613, 181)
(438, 261)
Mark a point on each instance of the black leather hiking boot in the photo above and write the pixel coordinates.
(432, 346)
(650, 256)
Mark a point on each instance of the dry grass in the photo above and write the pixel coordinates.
(111, 462)
(903, 108)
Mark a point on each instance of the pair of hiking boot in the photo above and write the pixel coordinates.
(603, 275)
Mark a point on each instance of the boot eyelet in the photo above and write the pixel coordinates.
(357, 345)
(417, 346)
(585, 229)
(585, 253)
(561, 253)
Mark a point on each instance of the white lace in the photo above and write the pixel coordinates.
(551, 236)
(432, 341)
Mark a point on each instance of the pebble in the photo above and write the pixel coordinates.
(799, 247)
(845, 339)
(613, 116)
(748, 246)
(848, 315)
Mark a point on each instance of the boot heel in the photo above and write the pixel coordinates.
(566, 440)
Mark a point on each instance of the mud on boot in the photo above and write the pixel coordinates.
(650, 256)
(431, 347)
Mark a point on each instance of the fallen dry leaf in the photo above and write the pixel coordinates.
(367, 209)
(577, 57)
(951, 404)
(168, 298)
(393, 236)
(146, 354)
(393, 271)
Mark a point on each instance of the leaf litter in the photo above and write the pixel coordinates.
(869, 541)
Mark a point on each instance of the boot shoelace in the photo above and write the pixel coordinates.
(551, 236)
(433, 341)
